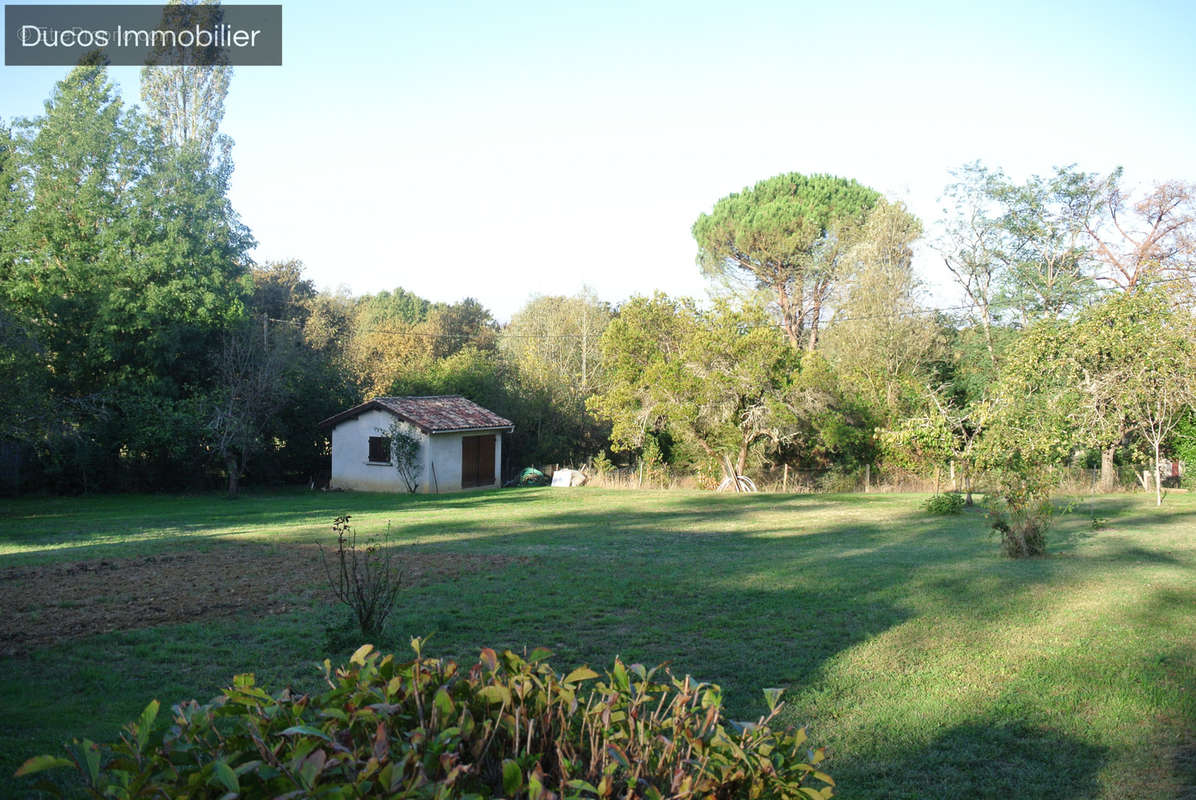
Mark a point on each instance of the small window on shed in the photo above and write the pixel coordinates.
(380, 449)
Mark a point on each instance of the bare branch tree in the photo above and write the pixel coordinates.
(1145, 240)
(970, 242)
(251, 369)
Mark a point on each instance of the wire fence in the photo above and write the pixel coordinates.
(1072, 480)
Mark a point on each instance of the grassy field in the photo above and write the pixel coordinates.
(927, 664)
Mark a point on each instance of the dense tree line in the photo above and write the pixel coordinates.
(1074, 346)
(143, 348)
(122, 264)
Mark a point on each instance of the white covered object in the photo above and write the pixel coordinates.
(568, 477)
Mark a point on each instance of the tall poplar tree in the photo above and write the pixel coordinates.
(184, 91)
(881, 339)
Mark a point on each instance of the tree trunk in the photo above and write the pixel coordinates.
(1158, 489)
(585, 375)
(1106, 468)
(741, 462)
(988, 338)
(234, 474)
(788, 321)
(791, 333)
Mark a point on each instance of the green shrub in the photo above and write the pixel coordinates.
(838, 482)
(602, 465)
(1020, 504)
(506, 727)
(949, 503)
(1021, 526)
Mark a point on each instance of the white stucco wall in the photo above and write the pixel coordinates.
(351, 467)
(444, 474)
(440, 457)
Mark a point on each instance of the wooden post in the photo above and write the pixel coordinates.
(785, 479)
(867, 478)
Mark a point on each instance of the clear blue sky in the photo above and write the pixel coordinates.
(503, 149)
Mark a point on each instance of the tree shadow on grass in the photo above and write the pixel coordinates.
(1184, 765)
(985, 758)
(743, 640)
(1134, 513)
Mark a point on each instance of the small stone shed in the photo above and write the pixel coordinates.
(460, 444)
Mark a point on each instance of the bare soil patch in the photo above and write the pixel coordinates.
(47, 604)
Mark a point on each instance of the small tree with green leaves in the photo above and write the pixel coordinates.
(404, 451)
(1029, 429)
(921, 445)
(1135, 362)
(715, 381)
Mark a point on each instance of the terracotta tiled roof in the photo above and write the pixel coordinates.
(434, 414)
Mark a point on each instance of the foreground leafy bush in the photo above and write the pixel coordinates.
(950, 503)
(506, 727)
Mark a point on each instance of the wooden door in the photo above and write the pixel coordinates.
(477, 461)
(486, 460)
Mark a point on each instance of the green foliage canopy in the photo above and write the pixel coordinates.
(123, 262)
(720, 383)
(785, 235)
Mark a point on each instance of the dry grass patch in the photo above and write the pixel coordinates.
(54, 603)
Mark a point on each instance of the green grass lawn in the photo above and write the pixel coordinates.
(928, 665)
